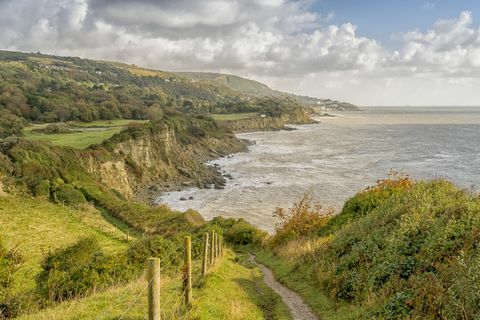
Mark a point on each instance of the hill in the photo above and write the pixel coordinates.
(255, 88)
(402, 249)
(237, 83)
(43, 89)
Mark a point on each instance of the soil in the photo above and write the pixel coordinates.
(299, 310)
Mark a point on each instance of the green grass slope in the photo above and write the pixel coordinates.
(35, 227)
(232, 291)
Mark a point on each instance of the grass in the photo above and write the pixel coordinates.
(234, 116)
(231, 291)
(86, 133)
(36, 226)
(107, 123)
(298, 280)
(236, 291)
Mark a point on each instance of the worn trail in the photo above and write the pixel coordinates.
(299, 310)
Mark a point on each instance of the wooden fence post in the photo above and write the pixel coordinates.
(212, 249)
(217, 245)
(187, 276)
(153, 278)
(205, 255)
(221, 245)
(128, 235)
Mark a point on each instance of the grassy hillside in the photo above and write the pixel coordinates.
(36, 226)
(46, 89)
(235, 82)
(399, 250)
(232, 291)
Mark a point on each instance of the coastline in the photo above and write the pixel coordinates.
(186, 197)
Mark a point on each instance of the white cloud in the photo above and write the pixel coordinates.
(280, 41)
(429, 5)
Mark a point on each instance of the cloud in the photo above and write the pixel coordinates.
(283, 42)
(429, 6)
(268, 36)
(451, 48)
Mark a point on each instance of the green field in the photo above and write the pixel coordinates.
(84, 135)
(234, 116)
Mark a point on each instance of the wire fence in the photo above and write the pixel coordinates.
(174, 294)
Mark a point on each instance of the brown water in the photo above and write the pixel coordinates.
(339, 157)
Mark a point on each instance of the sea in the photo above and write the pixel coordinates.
(338, 157)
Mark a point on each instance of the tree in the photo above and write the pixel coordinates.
(10, 124)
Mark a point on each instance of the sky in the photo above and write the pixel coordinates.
(369, 52)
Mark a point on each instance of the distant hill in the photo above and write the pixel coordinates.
(41, 88)
(252, 87)
(243, 85)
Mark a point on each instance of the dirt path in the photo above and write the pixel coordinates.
(299, 310)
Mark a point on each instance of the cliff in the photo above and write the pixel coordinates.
(268, 123)
(164, 155)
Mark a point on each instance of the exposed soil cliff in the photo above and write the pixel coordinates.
(164, 156)
(270, 123)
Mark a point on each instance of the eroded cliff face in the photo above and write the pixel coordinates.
(269, 123)
(158, 161)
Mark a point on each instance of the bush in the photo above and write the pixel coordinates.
(243, 233)
(10, 124)
(55, 128)
(67, 194)
(42, 189)
(80, 269)
(9, 261)
(156, 247)
(367, 200)
(301, 220)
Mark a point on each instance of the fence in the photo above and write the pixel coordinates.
(191, 275)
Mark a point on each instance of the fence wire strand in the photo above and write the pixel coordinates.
(176, 306)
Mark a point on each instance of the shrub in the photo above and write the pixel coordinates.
(156, 247)
(9, 261)
(301, 220)
(69, 195)
(80, 269)
(10, 124)
(242, 233)
(42, 189)
(367, 200)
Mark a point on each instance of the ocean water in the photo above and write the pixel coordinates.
(340, 156)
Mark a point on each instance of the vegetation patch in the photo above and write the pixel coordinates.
(401, 249)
